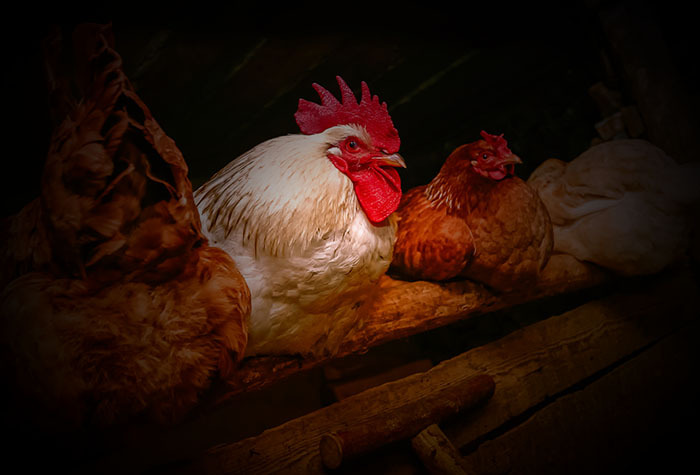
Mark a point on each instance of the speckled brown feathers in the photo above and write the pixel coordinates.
(512, 233)
(464, 224)
(120, 307)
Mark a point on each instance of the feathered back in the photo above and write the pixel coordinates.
(109, 164)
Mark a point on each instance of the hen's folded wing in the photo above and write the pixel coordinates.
(431, 244)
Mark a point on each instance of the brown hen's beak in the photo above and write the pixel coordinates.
(393, 160)
(512, 158)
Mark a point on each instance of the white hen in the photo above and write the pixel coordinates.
(623, 204)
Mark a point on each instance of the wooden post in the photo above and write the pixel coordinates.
(437, 453)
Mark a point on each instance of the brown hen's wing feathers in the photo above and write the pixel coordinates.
(513, 236)
(115, 187)
(430, 244)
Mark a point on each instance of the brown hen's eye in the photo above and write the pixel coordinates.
(484, 156)
(352, 144)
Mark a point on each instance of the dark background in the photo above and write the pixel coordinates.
(221, 81)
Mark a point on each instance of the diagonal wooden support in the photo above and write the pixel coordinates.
(437, 453)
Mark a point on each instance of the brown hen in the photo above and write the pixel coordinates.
(474, 220)
(113, 304)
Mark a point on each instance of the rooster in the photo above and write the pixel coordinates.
(308, 220)
(474, 220)
(114, 305)
(624, 205)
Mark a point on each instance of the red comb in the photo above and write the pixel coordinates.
(314, 118)
(497, 142)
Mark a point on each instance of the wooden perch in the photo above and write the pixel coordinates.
(358, 424)
(402, 416)
(431, 445)
(407, 308)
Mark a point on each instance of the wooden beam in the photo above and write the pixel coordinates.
(636, 416)
(344, 389)
(402, 416)
(431, 445)
(532, 365)
(407, 308)
(354, 426)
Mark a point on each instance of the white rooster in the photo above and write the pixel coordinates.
(624, 205)
(308, 220)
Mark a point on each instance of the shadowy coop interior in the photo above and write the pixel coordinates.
(584, 372)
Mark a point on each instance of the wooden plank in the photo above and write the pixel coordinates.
(612, 425)
(406, 308)
(529, 366)
(533, 364)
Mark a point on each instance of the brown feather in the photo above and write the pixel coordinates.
(430, 243)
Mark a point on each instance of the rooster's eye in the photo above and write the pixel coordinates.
(352, 145)
(484, 156)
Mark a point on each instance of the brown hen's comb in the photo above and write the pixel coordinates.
(497, 142)
(314, 118)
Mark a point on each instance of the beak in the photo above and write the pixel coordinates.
(393, 160)
(512, 158)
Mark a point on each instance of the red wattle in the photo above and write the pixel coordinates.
(378, 190)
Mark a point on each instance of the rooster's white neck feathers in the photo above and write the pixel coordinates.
(257, 195)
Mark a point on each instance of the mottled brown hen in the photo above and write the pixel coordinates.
(113, 303)
(474, 220)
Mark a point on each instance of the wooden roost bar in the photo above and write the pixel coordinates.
(584, 372)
